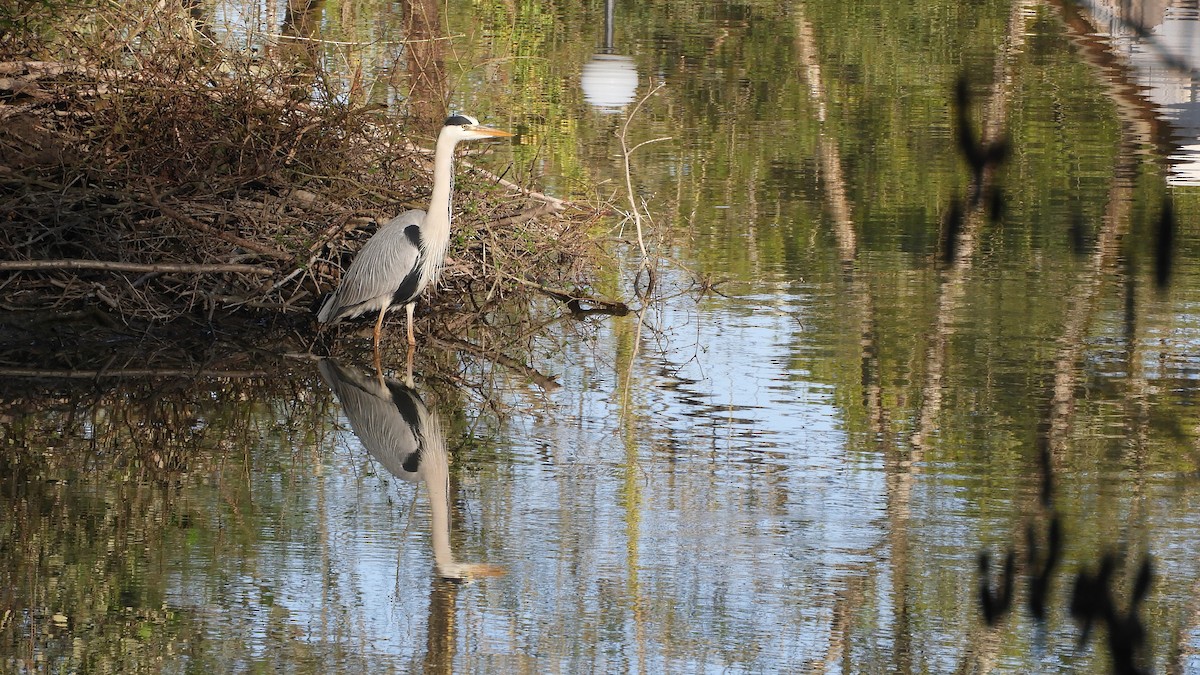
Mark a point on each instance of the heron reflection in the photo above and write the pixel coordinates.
(405, 436)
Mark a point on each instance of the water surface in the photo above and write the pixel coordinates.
(837, 395)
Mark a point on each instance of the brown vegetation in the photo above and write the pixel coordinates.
(150, 179)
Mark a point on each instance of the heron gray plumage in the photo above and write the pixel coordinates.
(405, 436)
(406, 254)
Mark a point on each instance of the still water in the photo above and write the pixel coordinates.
(858, 371)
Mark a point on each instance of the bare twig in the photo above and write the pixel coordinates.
(626, 152)
(558, 204)
(184, 219)
(526, 215)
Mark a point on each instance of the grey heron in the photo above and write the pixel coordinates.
(407, 253)
(403, 435)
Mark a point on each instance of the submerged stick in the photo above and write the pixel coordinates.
(611, 306)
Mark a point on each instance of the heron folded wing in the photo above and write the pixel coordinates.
(380, 269)
(389, 431)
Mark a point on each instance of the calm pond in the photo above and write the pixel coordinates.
(862, 370)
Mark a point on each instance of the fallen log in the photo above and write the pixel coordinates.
(112, 266)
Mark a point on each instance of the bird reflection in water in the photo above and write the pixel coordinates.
(403, 435)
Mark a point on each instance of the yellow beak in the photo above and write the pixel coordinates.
(490, 131)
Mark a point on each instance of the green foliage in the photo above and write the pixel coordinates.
(30, 27)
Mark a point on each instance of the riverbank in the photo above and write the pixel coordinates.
(184, 185)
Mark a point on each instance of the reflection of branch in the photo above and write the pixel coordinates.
(1115, 222)
(546, 382)
(1151, 42)
(1187, 647)
(1091, 600)
(1112, 73)
(859, 297)
(841, 624)
(1082, 305)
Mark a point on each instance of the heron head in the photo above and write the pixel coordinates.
(467, 128)
(468, 572)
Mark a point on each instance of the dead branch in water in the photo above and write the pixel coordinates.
(150, 268)
(635, 210)
(574, 299)
(131, 373)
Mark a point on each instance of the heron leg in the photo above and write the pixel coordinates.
(378, 335)
(408, 378)
(379, 329)
(408, 309)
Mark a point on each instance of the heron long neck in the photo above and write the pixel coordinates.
(435, 231)
(437, 480)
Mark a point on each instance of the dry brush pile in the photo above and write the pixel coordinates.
(149, 178)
